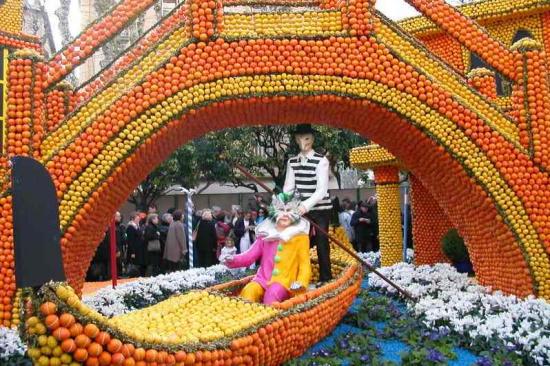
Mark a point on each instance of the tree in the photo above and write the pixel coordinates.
(189, 165)
(264, 151)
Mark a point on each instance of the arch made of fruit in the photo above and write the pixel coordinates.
(329, 70)
(430, 143)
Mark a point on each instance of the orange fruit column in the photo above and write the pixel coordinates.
(429, 225)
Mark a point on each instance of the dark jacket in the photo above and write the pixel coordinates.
(152, 233)
(163, 229)
(240, 232)
(206, 243)
(136, 246)
(364, 231)
(103, 251)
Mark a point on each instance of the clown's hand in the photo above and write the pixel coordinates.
(227, 259)
(302, 210)
(295, 286)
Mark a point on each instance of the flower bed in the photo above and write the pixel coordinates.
(452, 311)
(450, 302)
(12, 349)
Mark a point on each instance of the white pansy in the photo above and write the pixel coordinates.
(10, 343)
(450, 299)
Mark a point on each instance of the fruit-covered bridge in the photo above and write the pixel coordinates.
(482, 158)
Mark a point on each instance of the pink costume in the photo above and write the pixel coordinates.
(282, 263)
(266, 250)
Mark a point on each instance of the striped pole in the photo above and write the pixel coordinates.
(189, 193)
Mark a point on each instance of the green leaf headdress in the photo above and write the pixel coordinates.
(285, 202)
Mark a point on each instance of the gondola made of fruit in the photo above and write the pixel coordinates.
(212, 326)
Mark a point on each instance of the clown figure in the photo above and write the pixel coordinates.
(282, 246)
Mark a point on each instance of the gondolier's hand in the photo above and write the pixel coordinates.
(295, 286)
(302, 210)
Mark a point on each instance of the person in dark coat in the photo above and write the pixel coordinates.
(244, 226)
(206, 241)
(121, 246)
(151, 238)
(373, 209)
(362, 222)
(98, 270)
(136, 247)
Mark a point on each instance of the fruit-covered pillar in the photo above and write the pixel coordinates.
(59, 103)
(530, 100)
(389, 214)
(430, 224)
(25, 104)
(483, 80)
(206, 18)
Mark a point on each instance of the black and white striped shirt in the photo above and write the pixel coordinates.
(309, 176)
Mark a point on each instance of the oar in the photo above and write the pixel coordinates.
(334, 240)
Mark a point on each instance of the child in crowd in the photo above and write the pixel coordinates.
(229, 250)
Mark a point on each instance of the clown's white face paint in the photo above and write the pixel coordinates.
(283, 220)
(305, 142)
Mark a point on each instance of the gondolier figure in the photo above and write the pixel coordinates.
(308, 174)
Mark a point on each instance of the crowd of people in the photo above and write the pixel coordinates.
(150, 244)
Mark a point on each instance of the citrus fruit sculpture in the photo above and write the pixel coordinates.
(482, 158)
(210, 326)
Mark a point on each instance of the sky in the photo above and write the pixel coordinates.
(395, 9)
(74, 19)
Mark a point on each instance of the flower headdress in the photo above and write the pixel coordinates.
(287, 203)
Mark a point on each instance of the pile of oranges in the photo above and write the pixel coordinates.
(62, 331)
(545, 23)
(448, 48)
(26, 103)
(59, 101)
(535, 124)
(206, 18)
(19, 41)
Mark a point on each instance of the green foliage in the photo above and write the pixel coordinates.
(200, 160)
(453, 246)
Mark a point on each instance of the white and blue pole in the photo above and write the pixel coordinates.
(189, 193)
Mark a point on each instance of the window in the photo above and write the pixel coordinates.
(520, 34)
(504, 86)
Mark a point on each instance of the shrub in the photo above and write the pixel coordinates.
(453, 246)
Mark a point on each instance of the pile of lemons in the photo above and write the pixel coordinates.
(197, 316)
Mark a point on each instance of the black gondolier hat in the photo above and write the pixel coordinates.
(303, 129)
